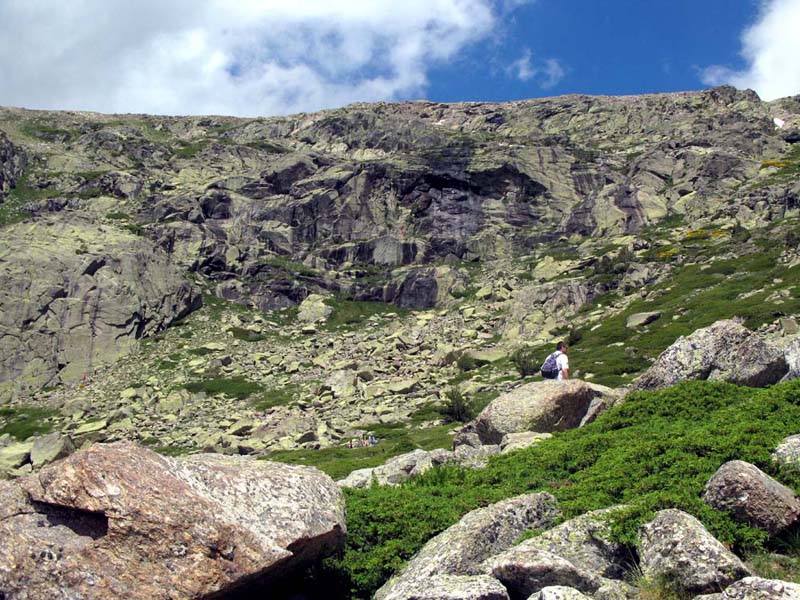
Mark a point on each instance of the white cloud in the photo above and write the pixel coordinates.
(771, 47)
(548, 72)
(248, 57)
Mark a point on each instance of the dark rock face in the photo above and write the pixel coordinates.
(724, 351)
(119, 521)
(12, 161)
(752, 496)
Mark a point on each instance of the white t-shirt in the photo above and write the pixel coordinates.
(562, 362)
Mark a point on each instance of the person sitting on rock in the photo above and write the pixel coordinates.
(556, 366)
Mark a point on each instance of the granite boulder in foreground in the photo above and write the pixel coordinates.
(119, 521)
(724, 351)
(543, 407)
(460, 550)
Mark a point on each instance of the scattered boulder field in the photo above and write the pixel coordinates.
(184, 300)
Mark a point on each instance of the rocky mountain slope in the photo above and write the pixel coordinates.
(151, 266)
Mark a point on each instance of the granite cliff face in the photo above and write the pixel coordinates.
(507, 219)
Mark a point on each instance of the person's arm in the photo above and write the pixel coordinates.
(564, 360)
(565, 373)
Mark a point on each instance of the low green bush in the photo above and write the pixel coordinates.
(456, 409)
(528, 360)
(657, 450)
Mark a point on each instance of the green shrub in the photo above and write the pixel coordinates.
(456, 409)
(655, 451)
(466, 363)
(527, 360)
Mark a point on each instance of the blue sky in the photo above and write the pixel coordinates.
(269, 57)
(604, 47)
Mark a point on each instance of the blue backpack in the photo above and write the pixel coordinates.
(550, 366)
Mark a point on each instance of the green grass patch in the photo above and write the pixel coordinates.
(12, 209)
(393, 439)
(655, 451)
(156, 446)
(189, 149)
(235, 387)
(246, 335)
(289, 266)
(277, 397)
(200, 351)
(24, 421)
(350, 313)
(698, 297)
(41, 130)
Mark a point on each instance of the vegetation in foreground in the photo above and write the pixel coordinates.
(657, 450)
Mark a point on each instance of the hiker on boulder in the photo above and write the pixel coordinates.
(556, 366)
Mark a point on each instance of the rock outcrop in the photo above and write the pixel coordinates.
(399, 469)
(119, 521)
(787, 454)
(12, 162)
(676, 548)
(74, 295)
(757, 588)
(724, 351)
(543, 407)
(753, 497)
(462, 548)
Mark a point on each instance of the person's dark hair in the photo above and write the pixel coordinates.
(560, 346)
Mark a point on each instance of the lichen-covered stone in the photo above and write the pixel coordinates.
(724, 351)
(117, 520)
(457, 587)
(677, 548)
(542, 406)
(558, 592)
(525, 570)
(749, 495)
(462, 548)
(787, 454)
(586, 542)
(50, 447)
(757, 588)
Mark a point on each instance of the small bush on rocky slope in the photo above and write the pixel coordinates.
(656, 450)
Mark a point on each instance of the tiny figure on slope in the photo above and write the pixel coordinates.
(556, 366)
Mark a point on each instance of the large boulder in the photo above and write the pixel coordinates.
(676, 548)
(119, 521)
(314, 309)
(543, 406)
(457, 587)
(75, 295)
(525, 570)
(750, 495)
(757, 588)
(462, 548)
(724, 351)
(787, 454)
(558, 592)
(586, 541)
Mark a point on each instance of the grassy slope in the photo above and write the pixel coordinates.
(656, 450)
